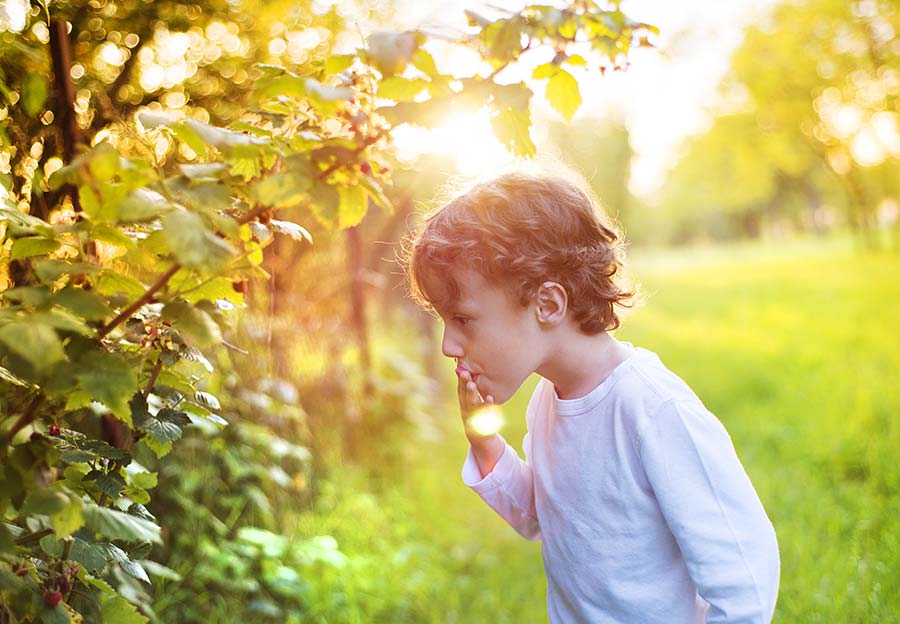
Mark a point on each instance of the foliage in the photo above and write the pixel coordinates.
(818, 134)
(134, 213)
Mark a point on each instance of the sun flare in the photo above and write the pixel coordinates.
(467, 138)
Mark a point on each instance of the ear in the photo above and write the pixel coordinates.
(551, 303)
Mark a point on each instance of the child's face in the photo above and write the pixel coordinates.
(491, 335)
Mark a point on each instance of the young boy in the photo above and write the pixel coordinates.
(644, 511)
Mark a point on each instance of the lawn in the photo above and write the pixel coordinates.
(795, 348)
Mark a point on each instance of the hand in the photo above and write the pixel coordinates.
(470, 400)
(487, 448)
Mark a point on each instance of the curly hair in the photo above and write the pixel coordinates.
(519, 230)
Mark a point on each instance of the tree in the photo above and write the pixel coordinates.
(809, 116)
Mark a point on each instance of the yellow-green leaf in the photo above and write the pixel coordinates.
(354, 202)
(563, 93)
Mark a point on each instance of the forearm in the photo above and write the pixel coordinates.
(487, 452)
(508, 488)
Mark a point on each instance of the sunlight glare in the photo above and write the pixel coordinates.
(486, 420)
(467, 138)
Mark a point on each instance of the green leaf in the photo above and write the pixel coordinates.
(136, 494)
(113, 283)
(44, 501)
(19, 220)
(512, 128)
(145, 480)
(51, 270)
(203, 171)
(220, 137)
(37, 343)
(106, 233)
(354, 203)
(160, 571)
(193, 322)
(32, 246)
(544, 71)
(142, 205)
(89, 554)
(68, 520)
(119, 525)
(103, 162)
(401, 89)
(563, 93)
(109, 380)
(504, 38)
(8, 376)
(282, 190)
(327, 93)
(336, 63)
(35, 88)
(207, 399)
(86, 304)
(55, 615)
(424, 62)
(162, 431)
(326, 201)
(117, 610)
(160, 449)
(193, 244)
(111, 484)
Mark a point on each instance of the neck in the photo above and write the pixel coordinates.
(579, 362)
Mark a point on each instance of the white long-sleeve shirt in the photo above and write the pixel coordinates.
(644, 511)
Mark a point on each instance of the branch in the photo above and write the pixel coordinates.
(153, 376)
(165, 277)
(25, 419)
(33, 537)
(146, 297)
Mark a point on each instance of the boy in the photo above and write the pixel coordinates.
(644, 511)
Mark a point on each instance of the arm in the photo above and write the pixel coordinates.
(494, 470)
(727, 541)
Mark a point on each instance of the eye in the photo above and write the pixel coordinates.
(461, 320)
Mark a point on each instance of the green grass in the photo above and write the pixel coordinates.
(795, 348)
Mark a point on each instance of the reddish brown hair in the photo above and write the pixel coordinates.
(520, 230)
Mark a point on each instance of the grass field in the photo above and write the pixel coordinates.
(796, 350)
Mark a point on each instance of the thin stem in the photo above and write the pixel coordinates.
(147, 296)
(153, 376)
(33, 537)
(25, 419)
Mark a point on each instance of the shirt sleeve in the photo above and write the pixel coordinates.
(715, 515)
(508, 489)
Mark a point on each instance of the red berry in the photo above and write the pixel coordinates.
(54, 430)
(52, 598)
(384, 170)
(240, 286)
(62, 584)
(20, 569)
(366, 168)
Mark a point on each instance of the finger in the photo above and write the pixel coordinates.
(474, 396)
(489, 399)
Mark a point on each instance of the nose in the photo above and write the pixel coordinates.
(450, 346)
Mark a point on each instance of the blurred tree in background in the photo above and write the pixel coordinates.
(807, 135)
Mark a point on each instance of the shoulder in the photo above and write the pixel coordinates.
(647, 386)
